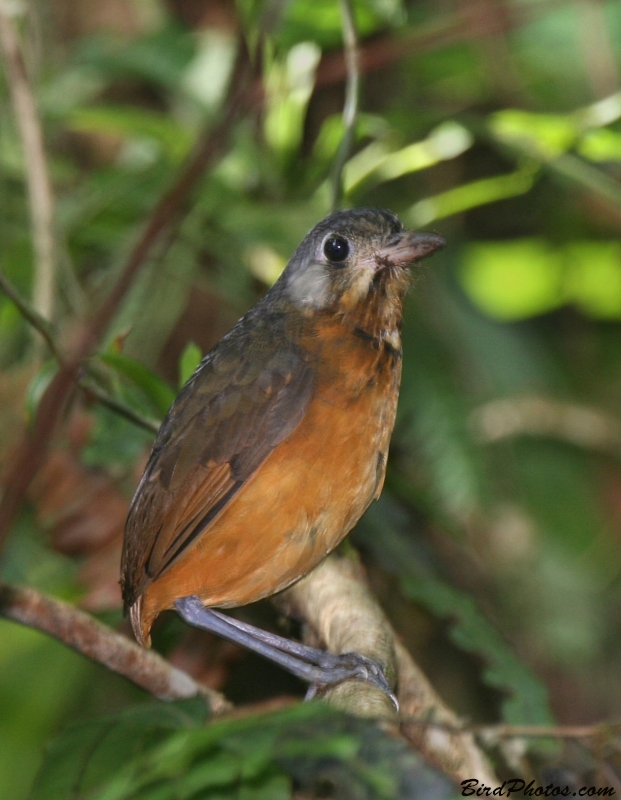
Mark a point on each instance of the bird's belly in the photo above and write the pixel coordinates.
(298, 506)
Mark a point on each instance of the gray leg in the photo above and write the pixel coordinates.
(317, 667)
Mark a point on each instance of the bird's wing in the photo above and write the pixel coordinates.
(240, 404)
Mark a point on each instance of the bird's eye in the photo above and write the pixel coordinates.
(336, 249)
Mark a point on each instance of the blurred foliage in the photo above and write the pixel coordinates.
(158, 752)
(499, 124)
(526, 700)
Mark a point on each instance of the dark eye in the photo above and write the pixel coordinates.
(336, 249)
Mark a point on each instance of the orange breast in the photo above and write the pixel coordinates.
(303, 499)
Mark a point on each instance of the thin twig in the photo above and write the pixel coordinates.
(102, 397)
(444, 31)
(502, 731)
(43, 327)
(545, 416)
(102, 644)
(173, 204)
(168, 211)
(350, 107)
(571, 167)
(547, 731)
(30, 313)
(35, 164)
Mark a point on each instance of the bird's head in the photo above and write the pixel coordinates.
(351, 254)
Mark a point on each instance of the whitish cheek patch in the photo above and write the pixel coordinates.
(310, 288)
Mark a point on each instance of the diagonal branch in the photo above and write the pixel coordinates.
(96, 393)
(102, 644)
(168, 211)
(338, 608)
(173, 205)
(30, 313)
(35, 163)
(335, 602)
(447, 29)
(92, 390)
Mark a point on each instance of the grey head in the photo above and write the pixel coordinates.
(347, 253)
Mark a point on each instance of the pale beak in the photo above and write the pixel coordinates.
(407, 248)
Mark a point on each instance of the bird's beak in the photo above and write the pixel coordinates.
(407, 248)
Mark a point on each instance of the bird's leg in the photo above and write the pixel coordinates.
(318, 667)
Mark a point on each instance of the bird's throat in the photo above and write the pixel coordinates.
(379, 316)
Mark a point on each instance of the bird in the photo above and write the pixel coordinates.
(278, 442)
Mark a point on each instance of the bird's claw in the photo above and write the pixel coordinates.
(351, 666)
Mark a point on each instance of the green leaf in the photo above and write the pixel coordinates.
(320, 21)
(601, 145)
(527, 700)
(155, 390)
(165, 752)
(85, 756)
(471, 195)
(513, 280)
(161, 57)
(189, 361)
(441, 467)
(38, 385)
(436, 427)
(548, 135)
(136, 123)
(289, 86)
(378, 163)
(593, 278)
(519, 279)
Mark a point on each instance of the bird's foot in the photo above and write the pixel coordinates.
(319, 668)
(334, 669)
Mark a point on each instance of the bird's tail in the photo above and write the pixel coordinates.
(140, 627)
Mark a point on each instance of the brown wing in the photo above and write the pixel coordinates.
(245, 398)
